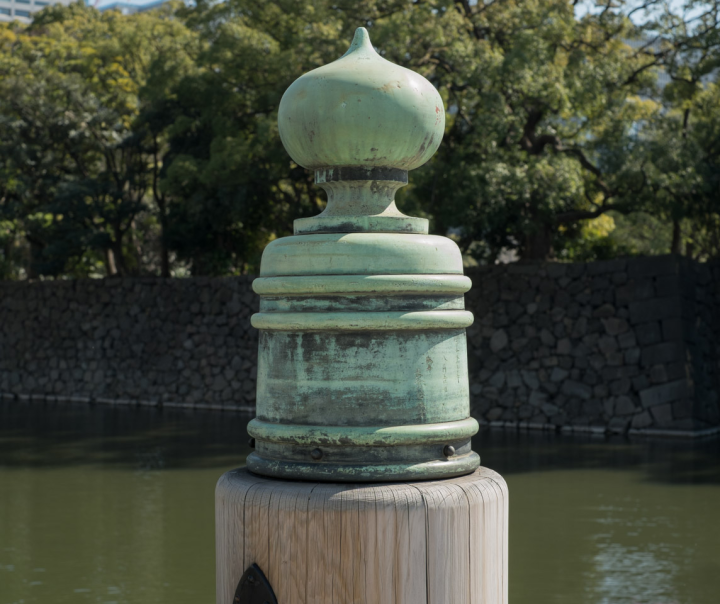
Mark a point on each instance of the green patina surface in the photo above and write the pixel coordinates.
(363, 321)
(360, 378)
(361, 111)
(361, 253)
(362, 364)
(362, 284)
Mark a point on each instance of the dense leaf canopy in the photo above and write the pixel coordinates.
(148, 143)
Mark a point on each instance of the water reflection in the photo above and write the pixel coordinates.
(639, 554)
(116, 505)
(623, 574)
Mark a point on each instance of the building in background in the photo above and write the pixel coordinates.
(22, 10)
(126, 7)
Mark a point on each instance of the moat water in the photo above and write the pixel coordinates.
(115, 505)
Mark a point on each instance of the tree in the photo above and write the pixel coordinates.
(233, 185)
(540, 131)
(71, 85)
(147, 141)
(683, 140)
(542, 108)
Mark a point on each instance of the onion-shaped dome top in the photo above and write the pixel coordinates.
(361, 111)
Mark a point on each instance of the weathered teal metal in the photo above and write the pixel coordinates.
(362, 365)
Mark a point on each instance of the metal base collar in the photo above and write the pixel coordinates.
(392, 472)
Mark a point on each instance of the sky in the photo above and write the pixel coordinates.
(586, 6)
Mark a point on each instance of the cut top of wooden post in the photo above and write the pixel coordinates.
(431, 542)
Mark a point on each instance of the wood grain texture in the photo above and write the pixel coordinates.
(439, 542)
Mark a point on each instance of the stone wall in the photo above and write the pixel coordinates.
(618, 345)
(173, 341)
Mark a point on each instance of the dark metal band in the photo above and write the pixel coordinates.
(338, 174)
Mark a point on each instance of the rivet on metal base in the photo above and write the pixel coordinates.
(254, 588)
(448, 451)
(316, 454)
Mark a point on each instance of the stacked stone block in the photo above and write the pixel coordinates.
(620, 345)
(172, 341)
(700, 290)
(616, 345)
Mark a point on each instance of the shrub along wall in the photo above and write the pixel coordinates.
(617, 345)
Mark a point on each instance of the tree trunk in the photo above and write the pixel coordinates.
(110, 267)
(164, 259)
(675, 245)
(199, 266)
(36, 248)
(135, 245)
(117, 250)
(7, 257)
(537, 244)
(162, 206)
(690, 250)
(164, 253)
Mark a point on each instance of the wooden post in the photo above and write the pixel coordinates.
(430, 542)
(363, 487)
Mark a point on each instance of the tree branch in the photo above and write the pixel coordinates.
(575, 215)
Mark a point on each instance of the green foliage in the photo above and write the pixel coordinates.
(76, 160)
(682, 142)
(148, 143)
(595, 239)
(234, 186)
(542, 107)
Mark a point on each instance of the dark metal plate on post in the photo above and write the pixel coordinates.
(254, 588)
